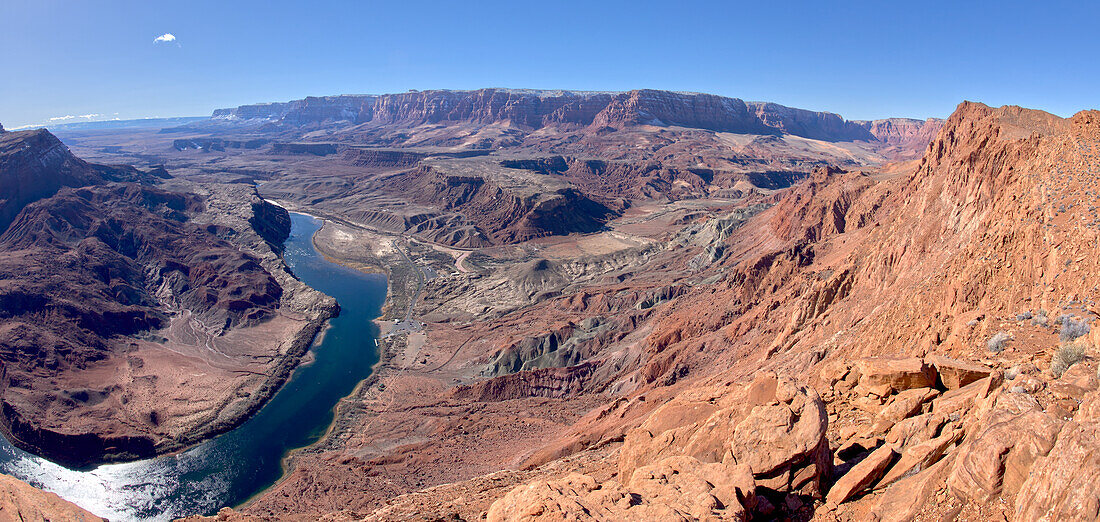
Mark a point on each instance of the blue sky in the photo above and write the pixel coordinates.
(859, 59)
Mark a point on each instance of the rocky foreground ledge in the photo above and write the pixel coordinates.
(23, 502)
(929, 438)
(911, 430)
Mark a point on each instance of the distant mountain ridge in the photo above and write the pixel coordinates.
(598, 110)
(138, 123)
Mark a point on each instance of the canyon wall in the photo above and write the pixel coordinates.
(536, 109)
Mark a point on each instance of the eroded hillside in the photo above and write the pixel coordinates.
(113, 289)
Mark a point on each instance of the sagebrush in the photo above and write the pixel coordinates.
(1072, 328)
(1066, 356)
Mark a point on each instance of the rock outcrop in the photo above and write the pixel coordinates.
(884, 375)
(1066, 484)
(720, 453)
(25, 503)
(676, 488)
(773, 425)
(955, 374)
(35, 164)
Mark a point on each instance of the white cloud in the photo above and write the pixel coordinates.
(165, 38)
(71, 117)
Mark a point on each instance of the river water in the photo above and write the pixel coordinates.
(232, 467)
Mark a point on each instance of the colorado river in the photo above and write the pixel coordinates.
(230, 468)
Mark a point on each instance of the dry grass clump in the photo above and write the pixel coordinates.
(1066, 356)
(996, 344)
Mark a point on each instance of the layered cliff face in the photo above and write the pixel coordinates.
(528, 108)
(269, 111)
(536, 109)
(663, 108)
(105, 287)
(906, 136)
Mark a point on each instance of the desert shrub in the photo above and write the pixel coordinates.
(996, 344)
(1023, 316)
(1072, 328)
(1067, 355)
(1040, 318)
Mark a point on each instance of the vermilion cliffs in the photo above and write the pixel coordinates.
(612, 306)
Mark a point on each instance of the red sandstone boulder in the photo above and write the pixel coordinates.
(955, 374)
(861, 476)
(962, 399)
(902, 406)
(904, 499)
(1008, 440)
(919, 457)
(559, 500)
(915, 430)
(884, 375)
